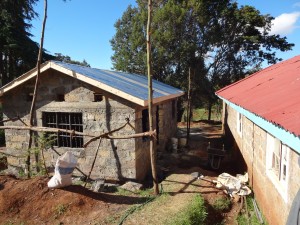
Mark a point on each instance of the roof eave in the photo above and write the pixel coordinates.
(32, 73)
(25, 77)
(164, 98)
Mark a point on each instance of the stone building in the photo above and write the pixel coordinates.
(262, 114)
(91, 101)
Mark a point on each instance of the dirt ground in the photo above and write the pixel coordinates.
(30, 201)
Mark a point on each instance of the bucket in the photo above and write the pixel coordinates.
(174, 142)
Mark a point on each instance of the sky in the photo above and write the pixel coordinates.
(83, 29)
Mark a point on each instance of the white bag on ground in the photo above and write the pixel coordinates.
(64, 167)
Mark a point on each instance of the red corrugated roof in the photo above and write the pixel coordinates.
(272, 93)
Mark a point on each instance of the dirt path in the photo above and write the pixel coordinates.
(31, 202)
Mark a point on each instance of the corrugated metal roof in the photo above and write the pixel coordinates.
(131, 86)
(272, 93)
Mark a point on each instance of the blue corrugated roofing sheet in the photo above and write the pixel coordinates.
(132, 84)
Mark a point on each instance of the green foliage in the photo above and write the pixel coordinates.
(202, 114)
(194, 214)
(18, 53)
(222, 204)
(251, 218)
(42, 142)
(60, 210)
(218, 41)
(67, 59)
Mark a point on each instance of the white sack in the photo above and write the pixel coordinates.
(64, 167)
(233, 185)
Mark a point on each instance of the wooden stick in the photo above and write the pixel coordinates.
(105, 134)
(150, 100)
(92, 167)
(37, 80)
(10, 119)
(148, 133)
(72, 132)
(46, 129)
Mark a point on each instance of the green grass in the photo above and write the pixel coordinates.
(252, 219)
(60, 210)
(202, 114)
(222, 204)
(194, 214)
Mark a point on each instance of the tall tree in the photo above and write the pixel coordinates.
(220, 41)
(18, 53)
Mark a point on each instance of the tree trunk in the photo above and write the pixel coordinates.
(209, 110)
(150, 103)
(32, 108)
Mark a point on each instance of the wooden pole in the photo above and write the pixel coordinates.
(32, 108)
(150, 103)
(188, 110)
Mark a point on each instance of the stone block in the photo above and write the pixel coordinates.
(131, 186)
(98, 185)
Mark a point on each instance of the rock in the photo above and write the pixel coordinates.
(131, 186)
(98, 185)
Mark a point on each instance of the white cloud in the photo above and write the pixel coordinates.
(285, 23)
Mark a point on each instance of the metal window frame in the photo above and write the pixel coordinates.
(65, 139)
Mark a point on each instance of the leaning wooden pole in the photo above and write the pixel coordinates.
(38, 67)
(150, 103)
(188, 110)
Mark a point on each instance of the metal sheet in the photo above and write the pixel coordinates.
(272, 93)
(133, 84)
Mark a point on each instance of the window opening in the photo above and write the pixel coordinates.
(98, 97)
(69, 121)
(277, 164)
(239, 124)
(60, 98)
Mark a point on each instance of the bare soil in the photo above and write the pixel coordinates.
(30, 201)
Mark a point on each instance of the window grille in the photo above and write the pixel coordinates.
(68, 121)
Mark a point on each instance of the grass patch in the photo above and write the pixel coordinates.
(252, 219)
(222, 204)
(60, 210)
(193, 214)
(202, 114)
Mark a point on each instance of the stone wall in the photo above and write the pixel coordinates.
(167, 122)
(116, 159)
(252, 145)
